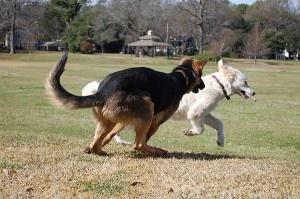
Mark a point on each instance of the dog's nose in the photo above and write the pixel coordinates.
(253, 93)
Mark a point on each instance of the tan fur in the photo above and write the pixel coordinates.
(123, 110)
(119, 110)
(51, 94)
(196, 64)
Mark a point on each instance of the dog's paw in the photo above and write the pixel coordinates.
(221, 144)
(190, 132)
(151, 150)
(87, 150)
(123, 142)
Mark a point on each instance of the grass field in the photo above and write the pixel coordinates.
(40, 145)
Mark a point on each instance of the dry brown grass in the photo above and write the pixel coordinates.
(47, 167)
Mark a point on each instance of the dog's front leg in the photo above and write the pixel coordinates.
(143, 134)
(197, 122)
(218, 125)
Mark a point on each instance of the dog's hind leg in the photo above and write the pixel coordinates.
(116, 129)
(217, 124)
(103, 127)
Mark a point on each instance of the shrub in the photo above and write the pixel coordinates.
(208, 56)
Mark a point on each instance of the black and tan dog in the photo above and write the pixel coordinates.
(140, 97)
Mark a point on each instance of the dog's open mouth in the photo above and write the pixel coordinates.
(244, 94)
(247, 96)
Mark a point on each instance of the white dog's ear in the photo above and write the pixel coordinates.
(221, 66)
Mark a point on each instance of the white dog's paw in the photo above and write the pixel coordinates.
(119, 140)
(220, 143)
(123, 142)
(191, 132)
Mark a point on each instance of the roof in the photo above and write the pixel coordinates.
(149, 37)
(51, 43)
(148, 43)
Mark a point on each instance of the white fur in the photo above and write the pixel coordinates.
(90, 89)
(198, 106)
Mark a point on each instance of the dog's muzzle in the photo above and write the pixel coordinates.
(248, 95)
(200, 86)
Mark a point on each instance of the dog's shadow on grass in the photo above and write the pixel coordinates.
(188, 156)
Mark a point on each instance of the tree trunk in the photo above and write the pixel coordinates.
(201, 26)
(201, 39)
(13, 27)
(102, 48)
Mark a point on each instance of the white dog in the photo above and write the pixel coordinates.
(219, 85)
(90, 89)
(197, 107)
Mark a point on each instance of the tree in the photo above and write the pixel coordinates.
(8, 20)
(19, 16)
(206, 15)
(220, 44)
(52, 25)
(58, 17)
(255, 45)
(80, 30)
(196, 8)
(13, 10)
(277, 20)
(275, 40)
(106, 28)
(66, 9)
(127, 20)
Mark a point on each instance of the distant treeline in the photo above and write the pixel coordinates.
(266, 29)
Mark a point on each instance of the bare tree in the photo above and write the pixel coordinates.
(13, 10)
(206, 15)
(8, 9)
(4, 18)
(220, 43)
(128, 19)
(19, 17)
(196, 8)
(255, 45)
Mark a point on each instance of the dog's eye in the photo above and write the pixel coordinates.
(246, 83)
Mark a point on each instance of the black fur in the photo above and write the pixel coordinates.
(162, 88)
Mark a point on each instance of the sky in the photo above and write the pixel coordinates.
(242, 1)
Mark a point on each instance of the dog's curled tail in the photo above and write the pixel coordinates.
(58, 95)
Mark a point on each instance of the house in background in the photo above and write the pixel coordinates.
(51, 46)
(23, 40)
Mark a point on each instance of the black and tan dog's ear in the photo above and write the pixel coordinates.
(198, 66)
